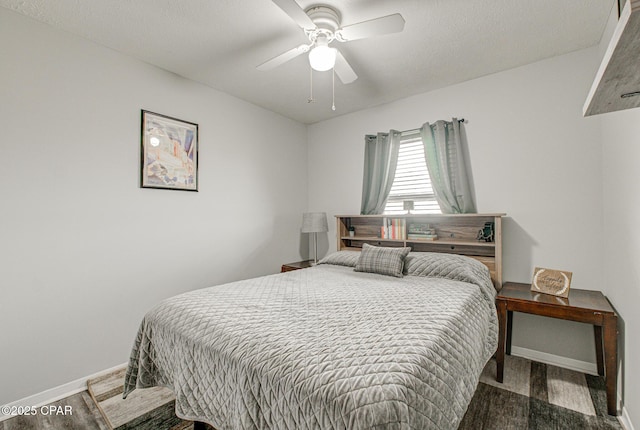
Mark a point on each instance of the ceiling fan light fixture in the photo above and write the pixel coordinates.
(322, 58)
(322, 24)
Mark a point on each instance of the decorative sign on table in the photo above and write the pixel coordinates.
(549, 281)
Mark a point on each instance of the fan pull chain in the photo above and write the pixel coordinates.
(310, 99)
(333, 89)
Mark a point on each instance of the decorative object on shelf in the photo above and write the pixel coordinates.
(487, 233)
(169, 157)
(408, 206)
(315, 222)
(352, 231)
(549, 281)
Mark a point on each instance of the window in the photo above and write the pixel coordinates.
(412, 181)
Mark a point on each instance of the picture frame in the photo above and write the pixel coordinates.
(550, 281)
(169, 153)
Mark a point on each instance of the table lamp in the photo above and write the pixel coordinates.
(314, 222)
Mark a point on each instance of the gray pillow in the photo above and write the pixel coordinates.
(382, 260)
(341, 258)
(436, 264)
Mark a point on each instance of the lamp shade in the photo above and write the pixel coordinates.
(314, 222)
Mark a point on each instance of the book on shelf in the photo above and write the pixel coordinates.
(422, 237)
(421, 231)
(419, 227)
(393, 228)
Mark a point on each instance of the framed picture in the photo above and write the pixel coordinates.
(169, 158)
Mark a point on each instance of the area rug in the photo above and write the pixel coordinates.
(534, 396)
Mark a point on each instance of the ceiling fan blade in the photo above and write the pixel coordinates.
(343, 69)
(283, 58)
(293, 9)
(375, 27)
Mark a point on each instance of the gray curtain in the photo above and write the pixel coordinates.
(380, 161)
(447, 157)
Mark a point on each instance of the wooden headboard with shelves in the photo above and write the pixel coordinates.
(456, 234)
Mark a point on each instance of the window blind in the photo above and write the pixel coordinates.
(412, 181)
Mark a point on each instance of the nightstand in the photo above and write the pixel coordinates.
(584, 306)
(296, 266)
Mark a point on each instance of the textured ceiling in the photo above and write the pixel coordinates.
(220, 42)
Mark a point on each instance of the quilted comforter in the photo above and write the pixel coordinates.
(324, 348)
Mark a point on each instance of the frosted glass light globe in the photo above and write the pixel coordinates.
(322, 58)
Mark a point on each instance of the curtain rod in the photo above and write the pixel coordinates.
(416, 130)
(409, 132)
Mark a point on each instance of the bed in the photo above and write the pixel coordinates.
(327, 347)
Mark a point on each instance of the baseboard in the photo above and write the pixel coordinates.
(57, 393)
(555, 360)
(625, 419)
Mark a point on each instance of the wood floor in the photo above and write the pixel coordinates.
(84, 416)
(537, 396)
(149, 409)
(534, 396)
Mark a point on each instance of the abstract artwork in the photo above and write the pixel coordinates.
(169, 153)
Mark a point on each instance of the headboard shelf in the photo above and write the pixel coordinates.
(457, 234)
(474, 243)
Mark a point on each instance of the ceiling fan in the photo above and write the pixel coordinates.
(321, 24)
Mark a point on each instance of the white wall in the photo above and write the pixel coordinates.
(533, 156)
(621, 203)
(621, 171)
(84, 251)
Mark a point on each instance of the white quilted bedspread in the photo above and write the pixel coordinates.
(323, 348)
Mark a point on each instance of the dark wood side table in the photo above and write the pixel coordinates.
(296, 266)
(590, 307)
